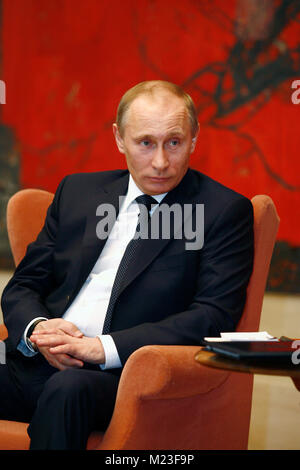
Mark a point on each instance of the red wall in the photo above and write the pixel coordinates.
(66, 64)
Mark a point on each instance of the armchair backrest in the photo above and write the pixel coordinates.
(266, 222)
(26, 212)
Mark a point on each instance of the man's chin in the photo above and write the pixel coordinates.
(157, 185)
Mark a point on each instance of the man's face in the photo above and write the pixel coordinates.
(157, 141)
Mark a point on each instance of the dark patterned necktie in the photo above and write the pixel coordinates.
(130, 254)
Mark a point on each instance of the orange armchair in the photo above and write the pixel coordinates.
(165, 400)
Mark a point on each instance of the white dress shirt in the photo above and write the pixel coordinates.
(88, 309)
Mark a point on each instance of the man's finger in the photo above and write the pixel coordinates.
(49, 340)
(60, 361)
(50, 331)
(61, 349)
(68, 361)
(70, 350)
(71, 329)
(58, 324)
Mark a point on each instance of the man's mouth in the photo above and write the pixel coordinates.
(158, 179)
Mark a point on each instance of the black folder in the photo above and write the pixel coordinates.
(267, 351)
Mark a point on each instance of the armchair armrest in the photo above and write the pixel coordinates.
(154, 381)
(168, 372)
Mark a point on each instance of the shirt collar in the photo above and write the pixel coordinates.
(133, 192)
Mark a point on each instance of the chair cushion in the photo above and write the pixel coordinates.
(94, 440)
(13, 436)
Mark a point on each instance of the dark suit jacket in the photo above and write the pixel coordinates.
(171, 296)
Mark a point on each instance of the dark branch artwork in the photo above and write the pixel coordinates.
(252, 72)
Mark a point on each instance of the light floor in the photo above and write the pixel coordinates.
(275, 419)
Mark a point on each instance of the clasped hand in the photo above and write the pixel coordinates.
(64, 346)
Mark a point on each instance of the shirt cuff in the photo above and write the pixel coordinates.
(25, 336)
(112, 360)
(25, 350)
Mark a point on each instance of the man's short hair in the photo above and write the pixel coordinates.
(150, 87)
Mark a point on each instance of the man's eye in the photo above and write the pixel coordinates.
(145, 143)
(174, 142)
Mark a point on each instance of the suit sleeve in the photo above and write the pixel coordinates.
(225, 266)
(22, 298)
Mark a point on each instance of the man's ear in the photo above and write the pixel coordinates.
(118, 138)
(194, 142)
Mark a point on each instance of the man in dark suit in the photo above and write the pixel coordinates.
(91, 290)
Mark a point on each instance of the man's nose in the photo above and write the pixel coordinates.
(160, 160)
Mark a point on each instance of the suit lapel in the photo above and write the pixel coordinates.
(92, 245)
